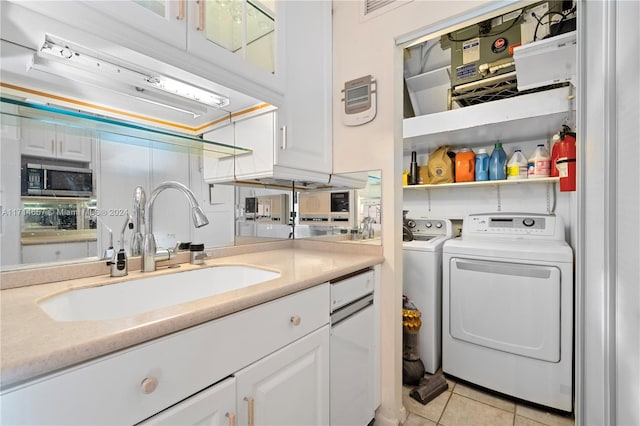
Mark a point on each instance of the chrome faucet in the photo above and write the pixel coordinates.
(149, 247)
(367, 228)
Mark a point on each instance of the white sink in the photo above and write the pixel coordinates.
(146, 294)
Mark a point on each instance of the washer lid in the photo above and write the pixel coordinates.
(432, 244)
(516, 249)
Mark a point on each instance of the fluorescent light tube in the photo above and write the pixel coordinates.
(129, 89)
(109, 70)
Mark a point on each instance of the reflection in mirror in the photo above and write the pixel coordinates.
(263, 214)
(342, 215)
(94, 175)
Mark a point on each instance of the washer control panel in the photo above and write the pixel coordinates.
(514, 224)
(425, 229)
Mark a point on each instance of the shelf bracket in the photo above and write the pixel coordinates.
(499, 198)
(551, 197)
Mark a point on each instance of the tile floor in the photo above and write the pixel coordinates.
(466, 405)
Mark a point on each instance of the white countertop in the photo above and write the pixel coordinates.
(33, 344)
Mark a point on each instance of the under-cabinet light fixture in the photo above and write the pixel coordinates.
(108, 70)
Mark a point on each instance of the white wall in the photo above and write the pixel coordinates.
(367, 46)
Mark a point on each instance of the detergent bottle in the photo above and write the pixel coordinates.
(517, 166)
(482, 165)
(497, 163)
(465, 165)
(540, 163)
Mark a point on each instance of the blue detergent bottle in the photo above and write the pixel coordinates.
(497, 163)
(482, 165)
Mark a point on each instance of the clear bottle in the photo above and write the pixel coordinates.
(540, 163)
(517, 166)
(482, 165)
(497, 163)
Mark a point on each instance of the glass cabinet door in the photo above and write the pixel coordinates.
(244, 27)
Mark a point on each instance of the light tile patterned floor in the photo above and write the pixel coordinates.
(466, 405)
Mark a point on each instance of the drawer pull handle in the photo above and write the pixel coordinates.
(148, 385)
(250, 407)
(295, 320)
(232, 419)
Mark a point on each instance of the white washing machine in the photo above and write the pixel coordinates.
(508, 307)
(422, 283)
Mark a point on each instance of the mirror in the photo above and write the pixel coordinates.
(337, 214)
(38, 229)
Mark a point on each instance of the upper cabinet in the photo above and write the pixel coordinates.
(305, 126)
(51, 141)
(275, 51)
(237, 34)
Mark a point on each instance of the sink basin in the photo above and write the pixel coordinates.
(146, 294)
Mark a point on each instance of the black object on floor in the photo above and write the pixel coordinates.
(429, 388)
(412, 371)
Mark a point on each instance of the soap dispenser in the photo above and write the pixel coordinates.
(119, 263)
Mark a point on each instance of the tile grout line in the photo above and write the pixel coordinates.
(445, 405)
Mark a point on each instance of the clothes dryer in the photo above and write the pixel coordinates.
(422, 283)
(508, 307)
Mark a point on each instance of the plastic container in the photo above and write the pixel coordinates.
(465, 165)
(517, 166)
(540, 163)
(554, 156)
(497, 163)
(482, 165)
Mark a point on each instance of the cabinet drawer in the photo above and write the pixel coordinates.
(131, 385)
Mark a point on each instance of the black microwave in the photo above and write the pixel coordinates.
(56, 181)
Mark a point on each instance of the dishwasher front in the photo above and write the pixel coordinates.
(352, 350)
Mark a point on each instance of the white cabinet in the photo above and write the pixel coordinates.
(290, 387)
(136, 383)
(163, 20)
(237, 35)
(305, 121)
(51, 141)
(214, 406)
(288, 153)
(256, 133)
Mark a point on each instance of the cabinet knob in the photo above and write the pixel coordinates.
(148, 385)
(295, 320)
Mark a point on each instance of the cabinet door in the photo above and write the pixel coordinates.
(238, 35)
(38, 139)
(306, 141)
(258, 134)
(290, 386)
(74, 145)
(164, 20)
(214, 406)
